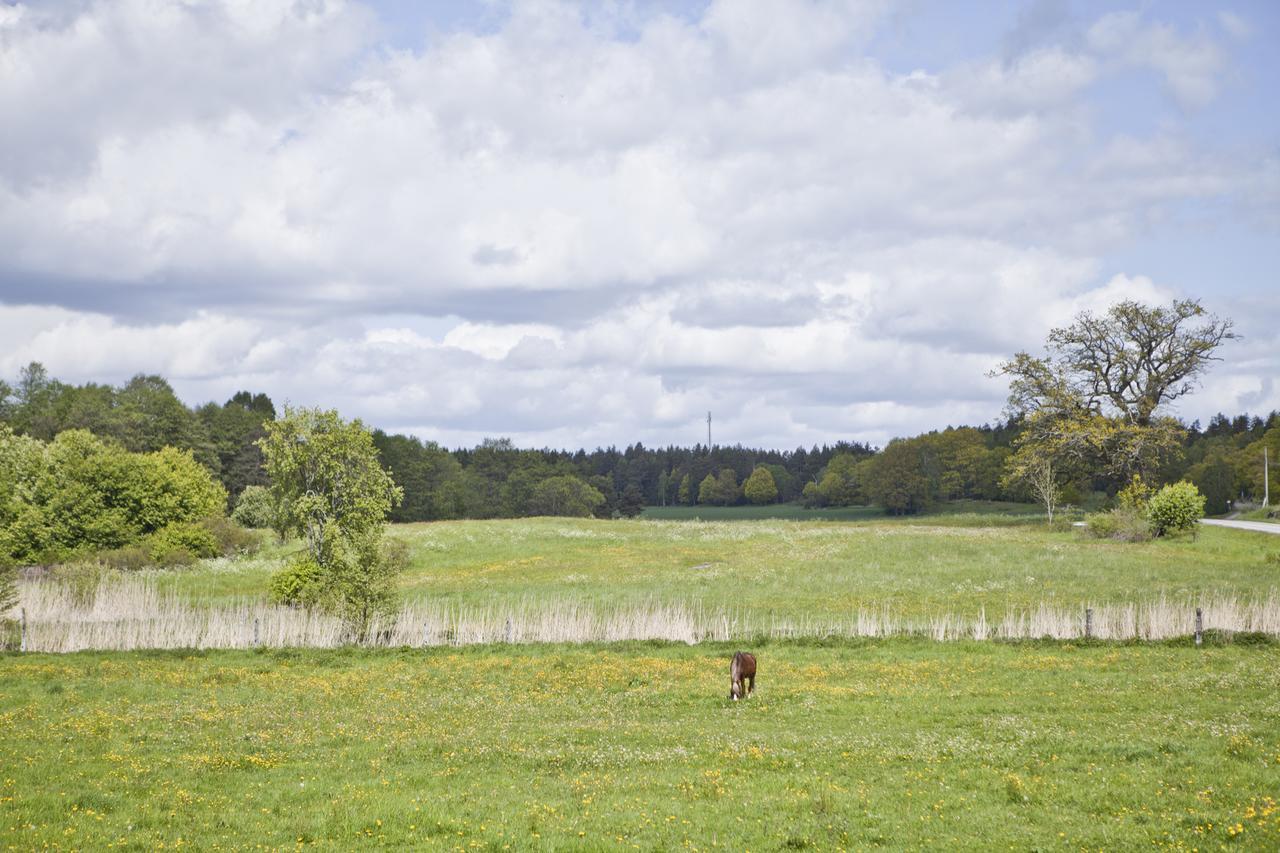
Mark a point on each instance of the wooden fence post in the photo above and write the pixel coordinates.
(22, 642)
(507, 635)
(426, 634)
(255, 632)
(1088, 623)
(1199, 626)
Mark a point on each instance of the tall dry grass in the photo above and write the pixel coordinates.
(123, 612)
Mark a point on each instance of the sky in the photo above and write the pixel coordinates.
(578, 225)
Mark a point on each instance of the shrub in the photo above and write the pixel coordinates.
(174, 558)
(1125, 523)
(231, 537)
(1175, 509)
(130, 558)
(1102, 525)
(1132, 525)
(301, 583)
(191, 537)
(254, 508)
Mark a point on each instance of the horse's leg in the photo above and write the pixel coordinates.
(751, 686)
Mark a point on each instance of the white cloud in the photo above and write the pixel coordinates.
(1191, 66)
(741, 212)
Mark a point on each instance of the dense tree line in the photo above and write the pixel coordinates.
(142, 416)
(79, 494)
(498, 479)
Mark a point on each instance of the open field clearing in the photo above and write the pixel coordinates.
(895, 743)
(917, 569)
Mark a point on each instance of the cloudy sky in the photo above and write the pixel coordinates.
(590, 224)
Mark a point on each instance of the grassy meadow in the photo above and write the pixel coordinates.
(900, 744)
(916, 568)
(849, 744)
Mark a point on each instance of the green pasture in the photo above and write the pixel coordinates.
(896, 744)
(920, 567)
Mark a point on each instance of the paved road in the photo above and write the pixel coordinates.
(1257, 526)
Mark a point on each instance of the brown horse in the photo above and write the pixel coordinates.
(742, 669)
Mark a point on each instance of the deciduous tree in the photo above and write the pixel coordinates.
(760, 488)
(328, 485)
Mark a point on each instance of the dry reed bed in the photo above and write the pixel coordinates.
(131, 613)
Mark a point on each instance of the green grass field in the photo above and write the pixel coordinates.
(902, 744)
(918, 567)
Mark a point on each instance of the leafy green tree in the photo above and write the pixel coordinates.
(1130, 361)
(783, 480)
(708, 490)
(565, 495)
(79, 493)
(254, 508)
(151, 416)
(1095, 398)
(685, 494)
(899, 478)
(840, 482)
(727, 487)
(35, 396)
(328, 485)
(760, 488)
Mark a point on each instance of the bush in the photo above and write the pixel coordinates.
(1102, 525)
(254, 508)
(232, 539)
(1175, 509)
(130, 558)
(301, 583)
(174, 558)
(193, 538)
(1125, 524)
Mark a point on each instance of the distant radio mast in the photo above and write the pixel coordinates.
(708, 432)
